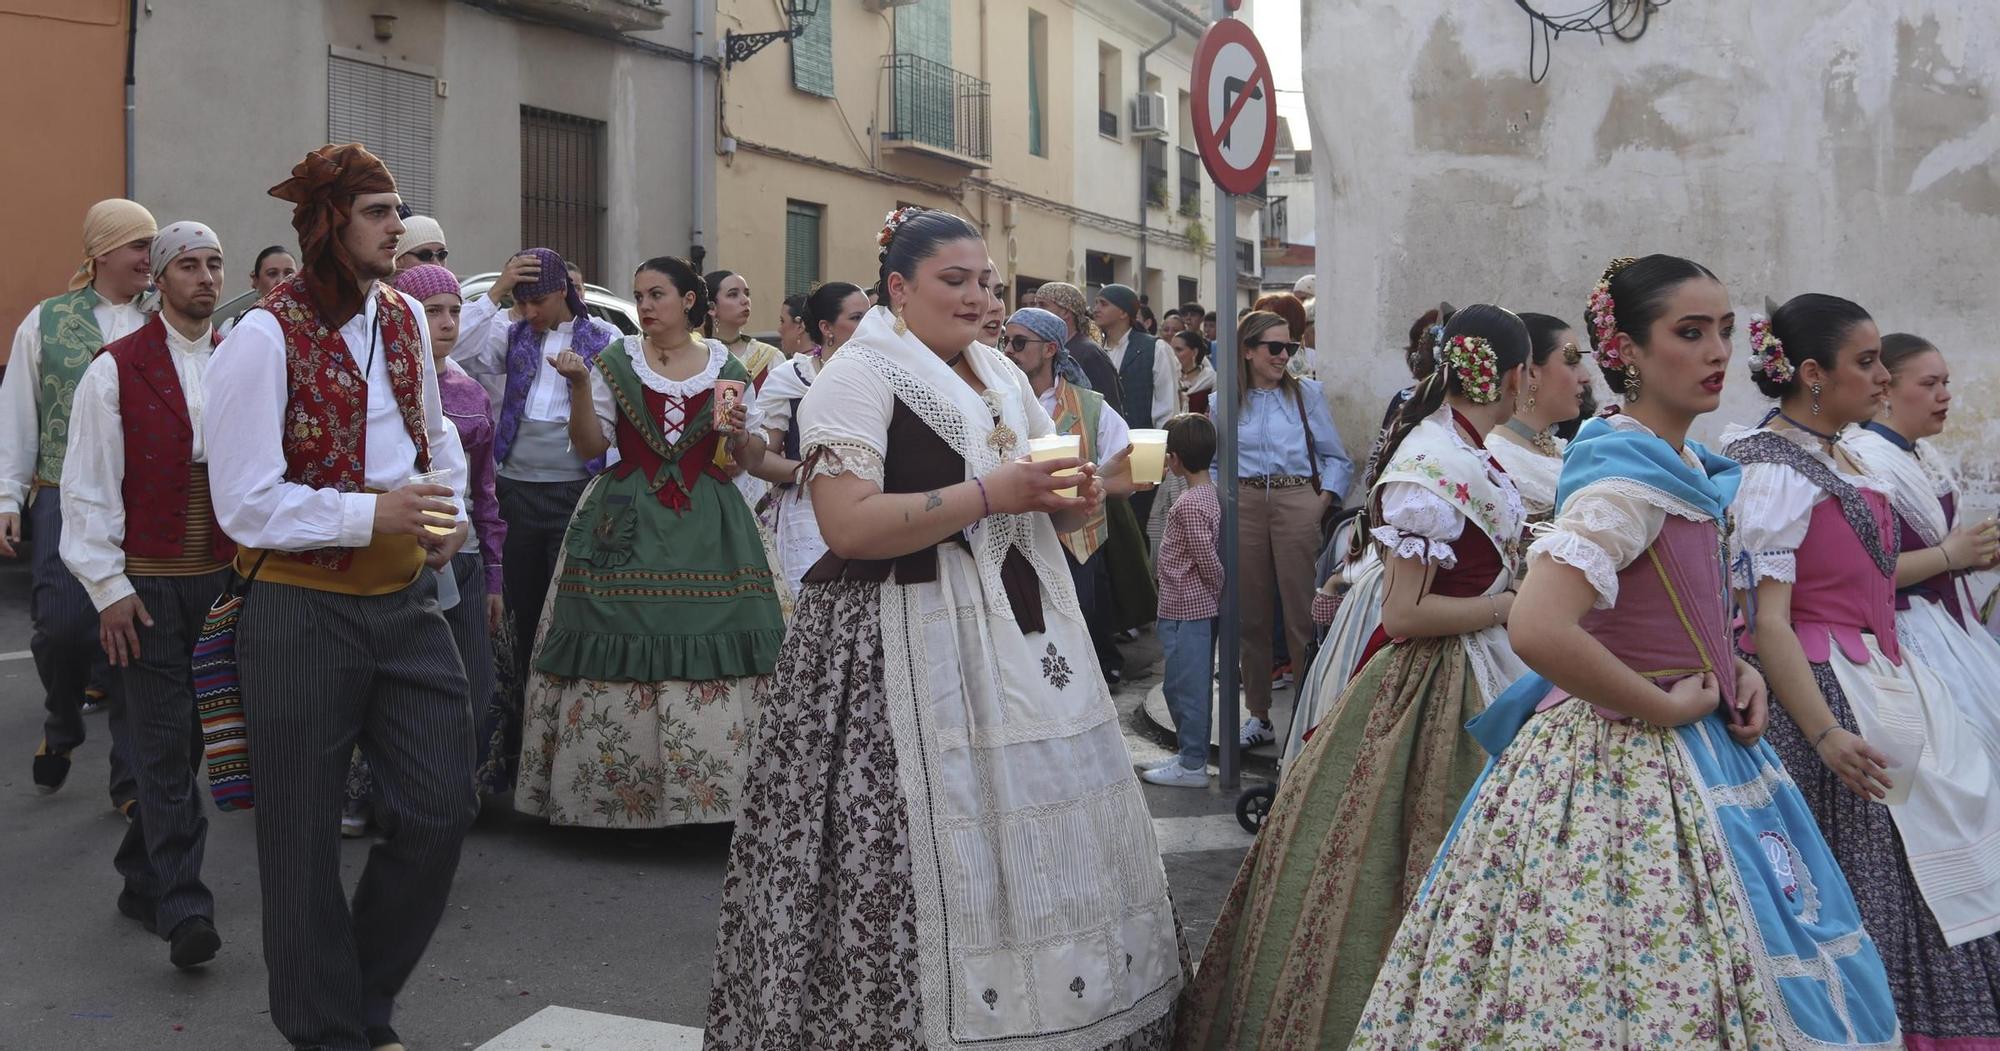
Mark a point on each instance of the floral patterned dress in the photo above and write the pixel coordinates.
(1610, 883)
(662, 622)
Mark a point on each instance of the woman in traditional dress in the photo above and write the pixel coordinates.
(1637, 870)
(1936, 617)
(944, 845)
(832, 312)
(1864, 720)
(663, 616)
(1197, 379)
(1526, 444)
(1360, 813)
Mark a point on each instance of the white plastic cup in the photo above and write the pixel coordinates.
(438, 478)
(1057, 447)
(1149, 456)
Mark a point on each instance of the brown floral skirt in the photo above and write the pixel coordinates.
(817, 946)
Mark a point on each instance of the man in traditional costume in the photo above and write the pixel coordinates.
(1066, 301)
(1148, 373)
(322, 406)
(52, 348)
(540, 477)
(1034, 340)
(143, 542)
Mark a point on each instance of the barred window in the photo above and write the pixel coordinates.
(803, 225)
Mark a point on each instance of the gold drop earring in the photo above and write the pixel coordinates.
(901, 329)
(1633, 383)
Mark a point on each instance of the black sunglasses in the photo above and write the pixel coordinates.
(1275, 347)
(432, 255)
(1020, 343)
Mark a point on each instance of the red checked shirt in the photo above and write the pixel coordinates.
(1190, 564)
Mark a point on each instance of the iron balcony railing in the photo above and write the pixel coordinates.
(937, 106)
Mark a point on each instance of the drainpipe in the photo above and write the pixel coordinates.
(1173, 30)
(701, 152)
(131, 97)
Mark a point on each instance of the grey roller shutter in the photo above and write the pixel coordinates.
(388, 111)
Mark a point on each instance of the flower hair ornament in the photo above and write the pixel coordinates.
(1477, 366)
(893, 221)
(1603, 315)
(1767, 352)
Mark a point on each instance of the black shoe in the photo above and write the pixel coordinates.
(194, 942)
(51, 770)
(134, 907)
(382, 1038)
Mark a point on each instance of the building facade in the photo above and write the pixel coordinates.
(65, 59)
(1016, 116)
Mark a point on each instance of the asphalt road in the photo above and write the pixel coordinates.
(620, 923)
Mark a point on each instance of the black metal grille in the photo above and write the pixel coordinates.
(1190, 183)
(1107, 123)
(562, 187)
(1155, 155)
(939, 106)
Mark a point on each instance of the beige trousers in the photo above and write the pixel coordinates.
(1277, 544)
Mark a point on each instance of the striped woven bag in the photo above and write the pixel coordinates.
(218, 698)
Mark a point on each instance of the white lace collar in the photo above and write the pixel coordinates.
(635, 349)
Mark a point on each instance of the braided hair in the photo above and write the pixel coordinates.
(913, 238)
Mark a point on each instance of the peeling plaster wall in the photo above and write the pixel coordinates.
(1791, 146)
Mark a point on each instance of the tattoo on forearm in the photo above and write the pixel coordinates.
(933, 500)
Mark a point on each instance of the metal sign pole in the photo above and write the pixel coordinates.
(1228, 363)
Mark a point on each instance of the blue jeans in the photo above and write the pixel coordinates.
(1188, 681)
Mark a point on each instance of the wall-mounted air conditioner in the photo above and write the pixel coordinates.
(1149, 114)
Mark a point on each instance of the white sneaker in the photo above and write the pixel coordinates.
(1257, 731)
(1172, 760)
(1174, 775)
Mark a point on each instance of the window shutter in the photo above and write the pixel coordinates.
(812, 56)
(802, 246)
(388, 111)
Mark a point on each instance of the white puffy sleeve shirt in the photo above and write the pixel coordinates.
(1418, 524)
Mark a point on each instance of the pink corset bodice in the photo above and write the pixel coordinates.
(1672, 617)
(1841, 593)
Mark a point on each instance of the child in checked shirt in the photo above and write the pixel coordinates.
(1190, 574)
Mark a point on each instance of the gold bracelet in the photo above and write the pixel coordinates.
(1822, 735)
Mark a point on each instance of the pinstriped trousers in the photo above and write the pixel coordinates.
(322, 673)
(157, 726)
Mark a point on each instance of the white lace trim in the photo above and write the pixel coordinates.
(1581, 553)
(944, 416)
(1413, 545)
(847, 458)
(1766, 565)
(635, 348)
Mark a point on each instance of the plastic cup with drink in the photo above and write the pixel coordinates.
(1057, 447)
(1149, 456)
(447, 584)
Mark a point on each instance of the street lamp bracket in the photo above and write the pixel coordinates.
(738, 47)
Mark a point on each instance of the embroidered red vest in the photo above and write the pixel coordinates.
(326, 400)
(159, 449)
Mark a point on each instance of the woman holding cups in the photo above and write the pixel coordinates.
(664, 615)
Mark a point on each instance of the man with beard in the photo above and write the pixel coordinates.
(322, 406)
(143, 542)
(52, 348)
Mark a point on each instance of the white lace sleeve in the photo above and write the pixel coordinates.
(844, 418)
(1419, 524)
(1772, 510)
(1600, 532)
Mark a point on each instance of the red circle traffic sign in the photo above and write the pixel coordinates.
(1235, 106)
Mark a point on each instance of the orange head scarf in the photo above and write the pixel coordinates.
(322, 191)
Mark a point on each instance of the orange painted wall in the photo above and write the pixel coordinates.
(62, 62)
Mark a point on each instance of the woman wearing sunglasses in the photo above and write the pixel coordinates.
(1290, 468)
